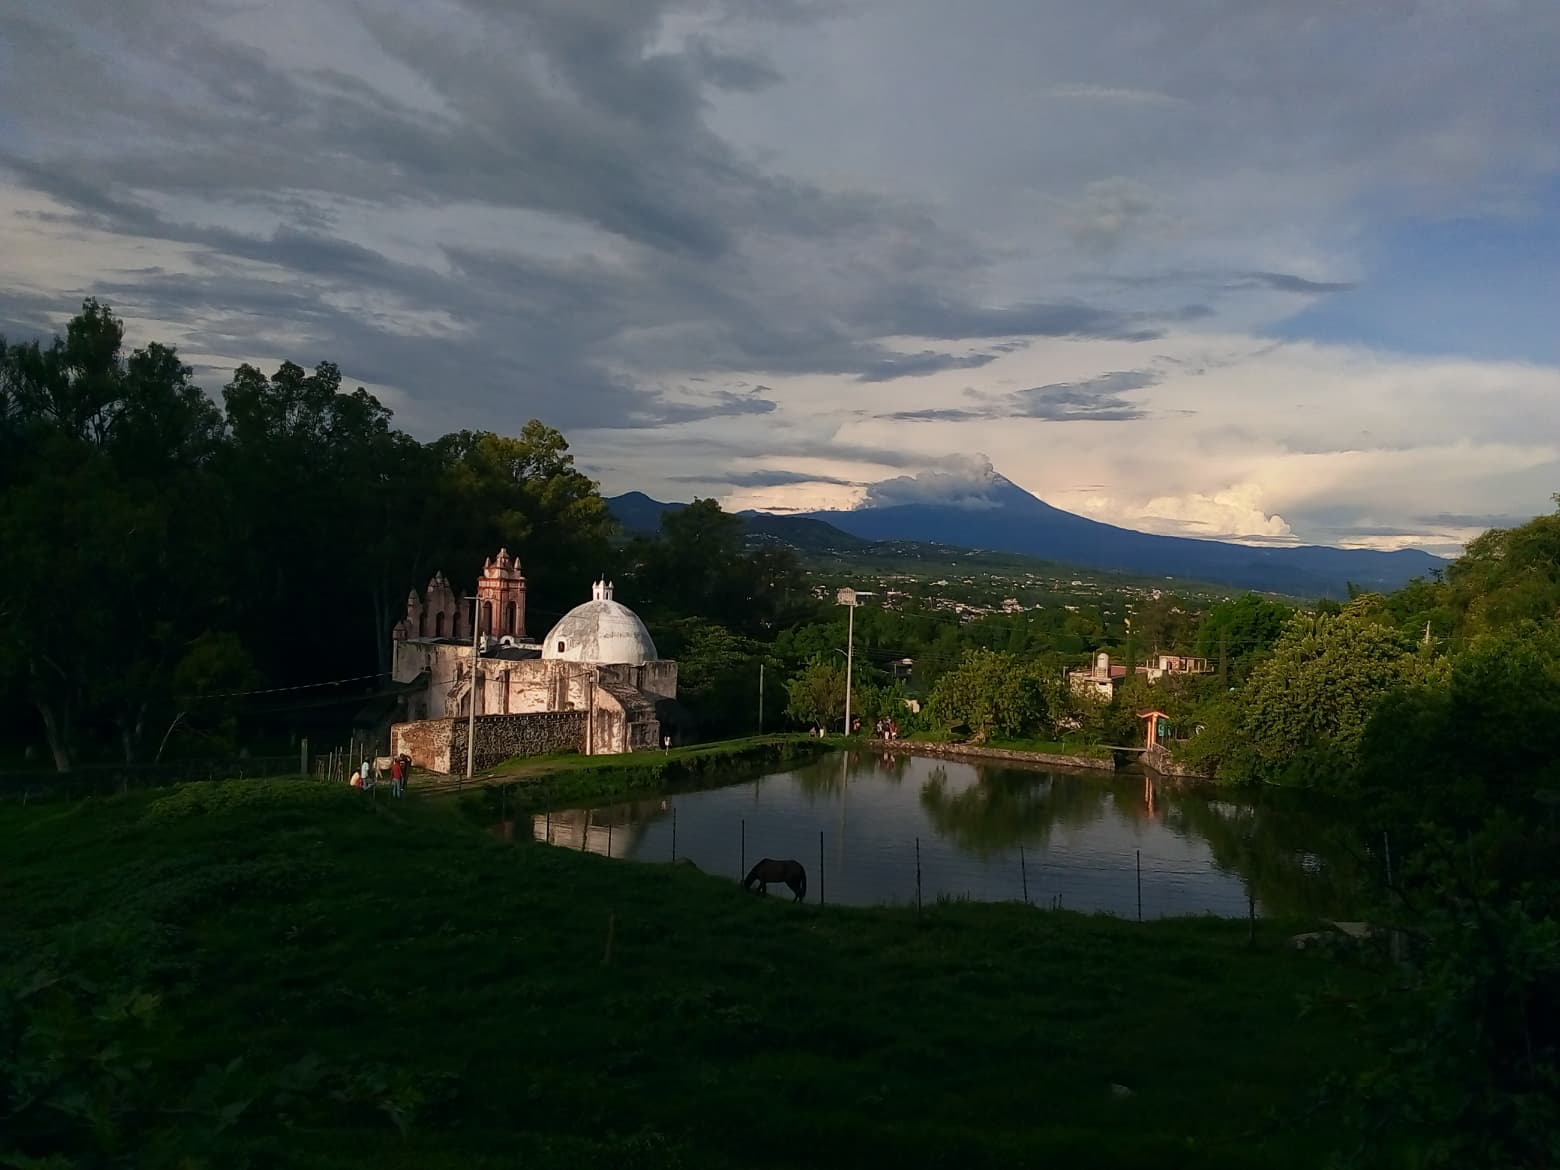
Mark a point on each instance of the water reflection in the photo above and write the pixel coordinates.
(1085, 837)
(610, 831)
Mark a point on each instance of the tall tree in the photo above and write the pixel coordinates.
(1310, 700)
(108, 496)
(990, 693)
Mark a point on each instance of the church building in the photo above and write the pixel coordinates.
(596, 675)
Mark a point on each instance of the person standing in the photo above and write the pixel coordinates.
(395, 775)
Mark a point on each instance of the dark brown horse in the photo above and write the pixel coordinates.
(769, 870)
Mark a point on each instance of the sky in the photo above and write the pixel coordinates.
(1261, 270)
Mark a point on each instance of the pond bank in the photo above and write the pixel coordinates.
(982, 752)
(573, 779)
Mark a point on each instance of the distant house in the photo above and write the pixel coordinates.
(1102, 678)
(1175, 664)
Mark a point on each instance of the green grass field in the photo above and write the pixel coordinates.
(287, 973)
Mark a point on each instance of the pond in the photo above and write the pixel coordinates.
(866, 825)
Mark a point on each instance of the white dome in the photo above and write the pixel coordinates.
(602, 631)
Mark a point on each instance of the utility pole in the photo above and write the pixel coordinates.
(848, 597)
(760, 698)
(471, 698)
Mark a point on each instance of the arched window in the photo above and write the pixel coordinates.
(438, 624)
(487, 616)
(560, 646)
(509, 619)
(422, 623)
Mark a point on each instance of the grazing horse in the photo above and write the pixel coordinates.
(768, 870)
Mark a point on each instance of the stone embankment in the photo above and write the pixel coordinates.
(981, 752)
(1160, 761)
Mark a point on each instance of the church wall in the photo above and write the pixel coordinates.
(439, 745)
(658, 678)
(446, 664)
(426, 741)
(609, 728)
(500, 737)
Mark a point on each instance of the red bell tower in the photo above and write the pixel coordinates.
(501, 596)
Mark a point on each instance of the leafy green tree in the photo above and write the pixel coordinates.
(522, 492)
(1234, 635)
(990, 693)
(717, 677)
(698, 564)
(109, 494)
(817, 693)
(1508, 575)
(1307, 704)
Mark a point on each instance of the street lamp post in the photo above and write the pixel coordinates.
(848, 597)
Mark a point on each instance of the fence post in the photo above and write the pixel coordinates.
(1140, 883)
(674, 832)
(303, 757)
(918, 877)
(1023, 873)
(820, 867)
(549, 827)
(742, 871)
(609, 838)
(1386, 844)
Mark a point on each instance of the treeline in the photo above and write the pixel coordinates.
(167, 557)
(1432, 716)
(188, 575)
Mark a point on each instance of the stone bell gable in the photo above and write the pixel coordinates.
(437, 614)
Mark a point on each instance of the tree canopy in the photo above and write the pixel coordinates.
(162, 549)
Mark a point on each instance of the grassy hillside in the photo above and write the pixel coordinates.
(291, 974)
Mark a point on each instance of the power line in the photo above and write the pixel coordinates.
(278, 690)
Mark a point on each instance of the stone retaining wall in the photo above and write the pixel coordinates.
(977, 751)
(426, 741)
(500, 737)
(1158, 759)
(439, 745)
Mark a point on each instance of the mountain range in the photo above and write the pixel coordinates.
(1003, 517)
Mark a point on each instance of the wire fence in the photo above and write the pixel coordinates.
(919, 871)
(89, 780)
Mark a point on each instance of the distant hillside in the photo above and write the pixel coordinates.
(1009, 519)
(639, 515)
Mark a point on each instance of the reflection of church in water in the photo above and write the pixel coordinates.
(606, 832)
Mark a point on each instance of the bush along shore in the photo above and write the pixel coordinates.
(288, 973)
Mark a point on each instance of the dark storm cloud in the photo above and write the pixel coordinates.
(1098, 398)
(609, 135)
(1285, 282)
(1477, 520)
(929, 316)
(761, 479)
(952, 414)
(1101, 399)
(915, 365)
